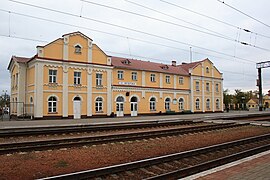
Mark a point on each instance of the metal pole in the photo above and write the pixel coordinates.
(260, 89)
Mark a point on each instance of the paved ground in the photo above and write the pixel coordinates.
(256, 167)
(205, 116)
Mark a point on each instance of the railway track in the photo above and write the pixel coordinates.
(178, 165)
(102, 139)
(13, 132)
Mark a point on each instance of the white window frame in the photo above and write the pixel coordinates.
(152, 77)
(99, 104)
(98, 79)
(208, 104)
(181, 103)
(77, 77)
(120, 74)
(52, 104)
(77, 49)
(168, 79)
(167, 104)
(181, 80)
(207, 87)
(52, 76)
(153, 104)
(217, 104)
(197, 86)
(197, 104)
(217, 87)
(134, 76)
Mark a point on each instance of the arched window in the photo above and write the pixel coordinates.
(167, 103)
(181, 104)
(207, 69)
(208, 104)
(134, 99)
(99, 104)
(197, 103)
(120, 99)
(152, 104)
(77, 98)
(78, 49)
(31, 100)
(52, 103)
(217, 104)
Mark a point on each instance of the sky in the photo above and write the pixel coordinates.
(152, 30)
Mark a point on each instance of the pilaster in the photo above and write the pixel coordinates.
(90, 51)
(89, 92)
(65, 47)
(65, 90)
(38, 97)
(109, 92)
(143, 78)
(160, 80)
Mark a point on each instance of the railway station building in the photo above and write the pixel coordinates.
(72, 77)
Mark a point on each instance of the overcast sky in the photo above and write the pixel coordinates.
(158, 31)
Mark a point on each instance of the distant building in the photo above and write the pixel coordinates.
(254, 102)
(72, 77)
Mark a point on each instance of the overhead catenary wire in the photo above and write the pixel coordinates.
(131, 38)
(112, 52)
(244, 13)
(215, 19)
(172, 23)
(130, 29)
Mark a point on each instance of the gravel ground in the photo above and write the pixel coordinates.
(34, 165)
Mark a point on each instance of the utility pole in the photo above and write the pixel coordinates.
(259, 81)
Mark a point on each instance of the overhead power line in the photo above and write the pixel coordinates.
(121, 36)
(172, 23)
(214, 19)
(131, 29)
(112, 52)
(243, 13)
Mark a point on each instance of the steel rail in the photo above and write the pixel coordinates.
(86, 128)
(172, 157)
(101, 139)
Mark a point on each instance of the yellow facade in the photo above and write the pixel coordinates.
(73, 78)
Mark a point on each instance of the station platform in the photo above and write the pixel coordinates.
(256, 167)
(208, 117)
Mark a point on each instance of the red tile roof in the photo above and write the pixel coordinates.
(152, 66)
(20, 59)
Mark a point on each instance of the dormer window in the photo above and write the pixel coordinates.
(165, 67)
(78, 49)
(126, 61)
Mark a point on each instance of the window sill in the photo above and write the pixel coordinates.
(52, 112)
(99, 112)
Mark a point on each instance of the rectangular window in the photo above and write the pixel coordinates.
(77, 77)
(217, 89)
(134, 76)
(98, 79)
(52, 76)
(120, 74)
(181, 80)
(168, 79)
(207, 87)
(197, 86)
(17, 78)
(153, 78)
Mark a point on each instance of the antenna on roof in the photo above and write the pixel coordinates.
(190, 54)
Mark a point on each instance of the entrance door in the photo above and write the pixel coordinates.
(120, 106)
(77, 108)
(134, 106)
